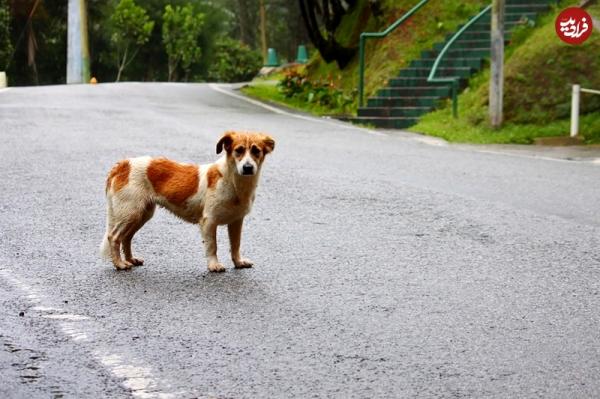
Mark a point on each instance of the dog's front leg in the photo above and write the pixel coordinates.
(235, 236)
(209, 236)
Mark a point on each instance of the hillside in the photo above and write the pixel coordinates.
(539, 72)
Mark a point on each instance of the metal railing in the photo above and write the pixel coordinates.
(575, 101)
(454, 79)
(377, 35)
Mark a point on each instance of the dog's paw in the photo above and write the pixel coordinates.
(136, 261)
(123, 265)
(216, 268)
(243, 263)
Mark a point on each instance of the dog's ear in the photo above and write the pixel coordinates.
(269, 144)
(226, 142)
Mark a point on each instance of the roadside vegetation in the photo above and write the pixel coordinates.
(539, 72)
(383, 57)
(149, 40)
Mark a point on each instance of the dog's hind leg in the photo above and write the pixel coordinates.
(132, 228)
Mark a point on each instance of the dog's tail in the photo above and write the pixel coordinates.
(105, 247)
(105, 244)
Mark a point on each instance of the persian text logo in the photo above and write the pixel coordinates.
(574, 25)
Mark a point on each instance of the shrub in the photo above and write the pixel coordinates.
(295, 84)
(234, 62)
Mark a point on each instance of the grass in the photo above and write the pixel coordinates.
(268, 91)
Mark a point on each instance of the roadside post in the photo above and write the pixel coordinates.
(575, 105)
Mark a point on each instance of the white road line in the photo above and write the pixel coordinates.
(276, 110)
(138, 379)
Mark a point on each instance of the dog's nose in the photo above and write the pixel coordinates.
(248, 169)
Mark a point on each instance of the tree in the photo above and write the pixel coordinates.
(5, 44)
(322, 18)
(180, 31)
(234, 62)
(131, 27)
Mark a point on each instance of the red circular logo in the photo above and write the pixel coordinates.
(574, 25)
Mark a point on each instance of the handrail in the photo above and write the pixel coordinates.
(368, 35)
(454, 80)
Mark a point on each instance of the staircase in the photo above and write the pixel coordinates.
(408, 95)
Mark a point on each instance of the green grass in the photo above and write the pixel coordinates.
(442, 124)
(269, 92)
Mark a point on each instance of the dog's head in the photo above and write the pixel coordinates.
(246, 150)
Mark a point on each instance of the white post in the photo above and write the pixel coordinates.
(575, 110)
(78, 62)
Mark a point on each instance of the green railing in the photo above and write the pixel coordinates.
(377, 35)
(453, 80)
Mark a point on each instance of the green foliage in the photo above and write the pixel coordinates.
(234, 62)
(6, 48)
(130, 29)
(180, 32)
(295, 84)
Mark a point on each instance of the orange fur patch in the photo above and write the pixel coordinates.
(118, 176)
(213, 175)
(172, 180)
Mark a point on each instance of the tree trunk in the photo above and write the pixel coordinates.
(263, 30)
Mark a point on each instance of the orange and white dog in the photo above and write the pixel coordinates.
(210, 195)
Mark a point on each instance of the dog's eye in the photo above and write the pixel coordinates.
(256, 151)
(240, 150)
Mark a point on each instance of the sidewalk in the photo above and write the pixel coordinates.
(581, 153)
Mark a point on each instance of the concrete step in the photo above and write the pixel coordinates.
(403, 101)
(386, 123)
(417, 91)
(464, 43)
(476, 63)
(412, 82)
(463, 72)
(478, 35)
(519, 15)
(530, 2)
(485, 24)
(483, 52)
(537, 8)
(411, 112)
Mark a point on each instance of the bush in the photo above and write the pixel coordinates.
(234, 62)
(324, 93)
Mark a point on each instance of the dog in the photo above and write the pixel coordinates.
(209, 195)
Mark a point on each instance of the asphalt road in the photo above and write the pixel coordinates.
(385, 267)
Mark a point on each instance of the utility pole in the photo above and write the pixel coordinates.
(497, 63)
(78, 55)
(263, 29)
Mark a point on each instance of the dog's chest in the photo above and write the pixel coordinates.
(230, 209)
